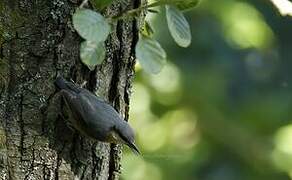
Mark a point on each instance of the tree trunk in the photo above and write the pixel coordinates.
(38, 42)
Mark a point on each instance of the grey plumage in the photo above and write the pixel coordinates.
(94, 117)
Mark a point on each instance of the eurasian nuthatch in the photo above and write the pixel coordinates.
(94, 117)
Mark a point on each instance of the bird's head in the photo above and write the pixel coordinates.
(123, 133)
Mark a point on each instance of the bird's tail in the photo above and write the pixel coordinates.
(61, 83)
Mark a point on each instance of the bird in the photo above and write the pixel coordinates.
(94, 117)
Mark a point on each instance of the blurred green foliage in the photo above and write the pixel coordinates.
(220, 109)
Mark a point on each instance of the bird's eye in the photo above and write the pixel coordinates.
(124, 138)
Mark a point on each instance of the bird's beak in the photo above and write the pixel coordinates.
(134, 148)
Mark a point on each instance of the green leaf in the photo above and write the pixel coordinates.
(178, 26)
(187, 4)
(181, 4)
(150, 54)
(92, 53)
(147, 29)
(100, 4)
(153, 11)
(91, 25)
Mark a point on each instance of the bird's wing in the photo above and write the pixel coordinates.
(104, 110)
(93, 114)
(82, 106)
(89, 108)
(75, 107)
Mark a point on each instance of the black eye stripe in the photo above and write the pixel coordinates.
(123, 137)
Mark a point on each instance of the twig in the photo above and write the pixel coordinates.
(129, 13)
(83, 3)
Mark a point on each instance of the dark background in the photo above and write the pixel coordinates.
(221, 108)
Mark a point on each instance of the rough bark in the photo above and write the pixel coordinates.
(37, 42)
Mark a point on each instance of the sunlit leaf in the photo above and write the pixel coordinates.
(284, 6)
(178, 26)
(91, 25)
(92, 53)
(150, 54)
(185, 5)
(180, 4)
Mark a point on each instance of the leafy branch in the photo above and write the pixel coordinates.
(95, 28)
